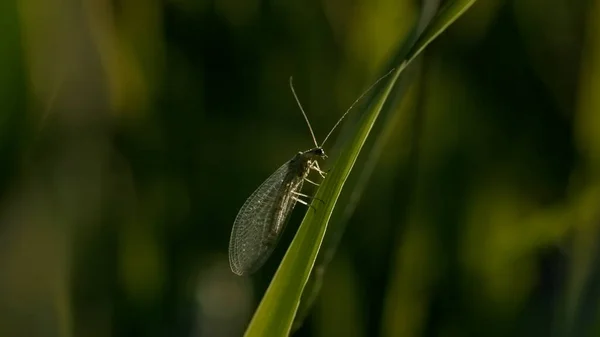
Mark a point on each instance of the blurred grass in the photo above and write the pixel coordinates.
(130, 133)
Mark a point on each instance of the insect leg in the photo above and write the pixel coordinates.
(304, 203)
(315, 166)
(307, 196)
(312, 182)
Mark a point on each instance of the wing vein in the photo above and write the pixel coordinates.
(261, 220)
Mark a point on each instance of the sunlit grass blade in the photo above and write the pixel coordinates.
(382, 131)
(276, 312)
(330, 243)
(449, 13)
(348, 203)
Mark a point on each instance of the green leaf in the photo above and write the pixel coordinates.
(445, 17)
(410, 49)
(276, 312)
(382, 131)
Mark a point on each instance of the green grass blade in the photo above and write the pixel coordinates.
(382, 132)
(445, 17)
(276, 312)
(338, 222)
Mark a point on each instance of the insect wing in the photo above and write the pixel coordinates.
(261, 220)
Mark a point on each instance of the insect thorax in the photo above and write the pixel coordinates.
(303, 161)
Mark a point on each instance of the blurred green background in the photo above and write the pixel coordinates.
(131, 132)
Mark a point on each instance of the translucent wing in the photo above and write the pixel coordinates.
(261, 220)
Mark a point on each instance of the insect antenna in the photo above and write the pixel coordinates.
(353, 104)
(303, 113)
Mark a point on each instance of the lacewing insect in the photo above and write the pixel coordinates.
(262, 218)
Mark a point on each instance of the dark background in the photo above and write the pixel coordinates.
(132, 131)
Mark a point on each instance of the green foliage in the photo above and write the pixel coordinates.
(466, 188)
(276, 312)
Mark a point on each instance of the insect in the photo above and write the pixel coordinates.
(261, 220)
